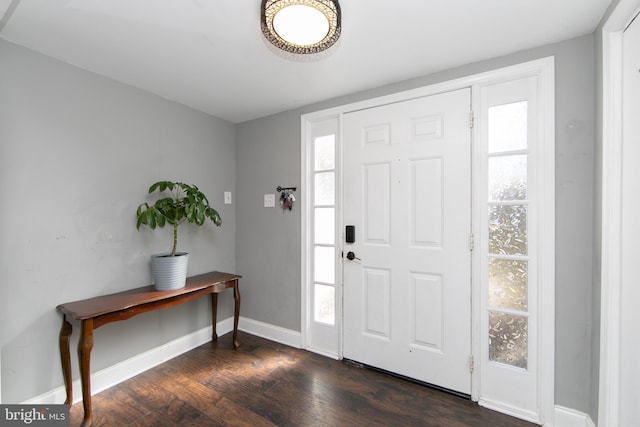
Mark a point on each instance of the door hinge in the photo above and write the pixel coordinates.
(471, 363)
(472, 119)
(471, 242)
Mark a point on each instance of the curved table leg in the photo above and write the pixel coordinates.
(84, 357)
(65, 358)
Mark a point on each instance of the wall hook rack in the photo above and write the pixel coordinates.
(286, 197)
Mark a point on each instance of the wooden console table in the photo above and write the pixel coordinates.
(95, 312)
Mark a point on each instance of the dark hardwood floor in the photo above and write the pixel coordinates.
(269, 384)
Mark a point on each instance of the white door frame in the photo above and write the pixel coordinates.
(611, 277)
(545, 69)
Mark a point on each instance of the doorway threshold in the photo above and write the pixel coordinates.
(357, 364)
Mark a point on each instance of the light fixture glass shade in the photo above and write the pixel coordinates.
(301, 26)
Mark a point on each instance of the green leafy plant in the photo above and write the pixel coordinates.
(184, 203)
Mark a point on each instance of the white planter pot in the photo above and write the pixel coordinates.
(169, 272)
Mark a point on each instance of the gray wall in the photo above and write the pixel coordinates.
(77, 154)
(268, 240)
(268, 154)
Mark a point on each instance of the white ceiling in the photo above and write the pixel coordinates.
(211, 55)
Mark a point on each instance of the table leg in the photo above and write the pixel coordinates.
(236, 314)
(214, 316)
(84, 357)
(65, 358)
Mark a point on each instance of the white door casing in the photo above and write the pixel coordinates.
(407, 190)
(616, 182)
(630, 293)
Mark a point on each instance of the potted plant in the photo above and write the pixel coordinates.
(182, 203)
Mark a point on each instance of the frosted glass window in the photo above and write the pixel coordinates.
(324, 155)
(324, 265)
(508, 127)
(508, 229)
(508, 284)
(325, 188)
(324, 226)
(508, 334)
(508, 177)
(324, 303)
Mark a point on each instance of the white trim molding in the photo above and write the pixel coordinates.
(510, 410)
(611, 279)
(567, 417)
(271, 332)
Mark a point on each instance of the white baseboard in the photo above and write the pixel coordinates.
(509, 410)
(271, 332)
(122, 371)
(567, 417)
(563, 417)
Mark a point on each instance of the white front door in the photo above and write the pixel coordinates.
(407, 191)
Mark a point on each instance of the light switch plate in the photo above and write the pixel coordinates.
(227, 197)
(269, 200)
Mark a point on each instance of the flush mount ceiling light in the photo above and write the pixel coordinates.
(301, 26)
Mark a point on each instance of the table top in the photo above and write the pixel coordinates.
(104, 304)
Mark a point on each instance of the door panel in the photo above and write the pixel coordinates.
(376, 298)
(407, 171)
(426, 202)
(377, 198)
(426, 326)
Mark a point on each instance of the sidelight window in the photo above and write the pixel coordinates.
(507, 231)
(324, 241)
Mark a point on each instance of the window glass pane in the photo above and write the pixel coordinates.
(508, 178)
(508, 339)
(508, 230)
(324, 304)
(508, 284)
(324, 266)
(508, 127)
(325, 188)
(324, 221)
(324, 157)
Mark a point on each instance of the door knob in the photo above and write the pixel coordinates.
(351, 256)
